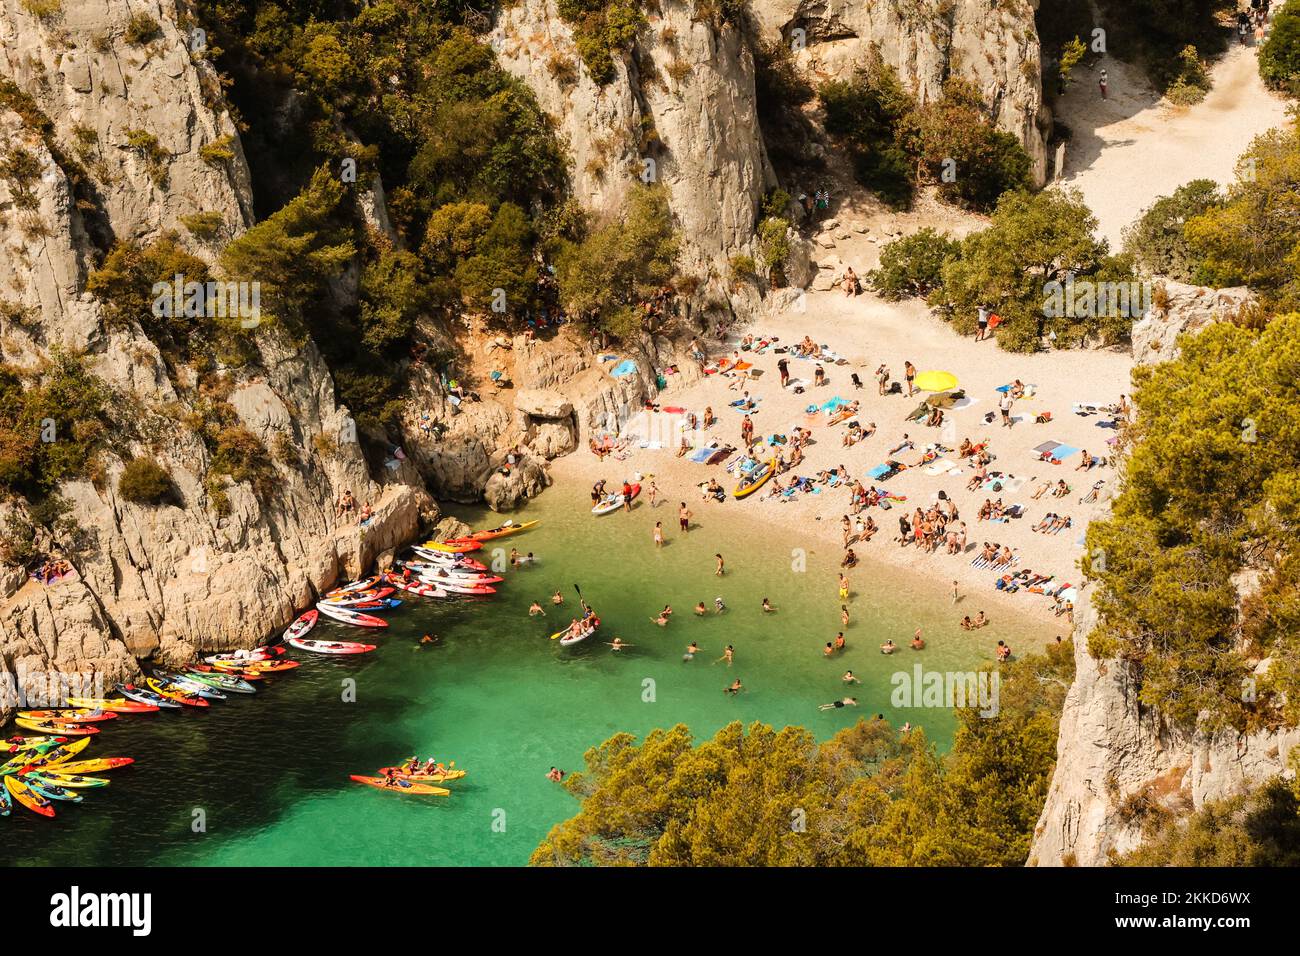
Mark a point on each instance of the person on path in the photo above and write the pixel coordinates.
(1103, 83)
(981, 324)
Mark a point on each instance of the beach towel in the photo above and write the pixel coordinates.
(1063, 452)
(880, 471)
(674, 410)
(624, 368)
(1046, 447)
(831, 404)
(939, 467)
(703, 454)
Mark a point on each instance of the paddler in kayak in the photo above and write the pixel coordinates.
(575, 628)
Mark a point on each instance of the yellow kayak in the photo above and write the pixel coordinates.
(27, 797)
(459, 548)
(755, 480)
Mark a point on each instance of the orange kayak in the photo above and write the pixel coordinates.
(400, 786)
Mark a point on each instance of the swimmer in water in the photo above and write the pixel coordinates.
(735, 688)
(557, 598)
(767, 606)
(828, 650)
(888, 647)
(845, 702)
(661, 620)
(718, 605)
(700, 609)
(617, 644)
(840, 643)
(849, 678)
(728, 655)
(555, 775)
(721, 566)
(535, 609)
(844, 615)
(691, 650)
(918, 642)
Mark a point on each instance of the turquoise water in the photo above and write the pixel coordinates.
(263, 780)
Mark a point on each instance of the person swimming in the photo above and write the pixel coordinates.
(850, 678)
(767, 606)
(700, 609)
(691, 650)
(888, 647)
(718, 605)
(735, 688)
(535, 609)
(843, 702)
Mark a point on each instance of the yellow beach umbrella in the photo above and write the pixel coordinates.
(933, 381)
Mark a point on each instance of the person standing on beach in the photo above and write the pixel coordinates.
(721, 566)
(659, 534)
(783, 366)
(955, 596)
(653, 493)
(981, 323)
(882, 379)
(684, 517)
(1004, 406)
(909, 370)
(844, 588)
(747, 431)
(844, 615)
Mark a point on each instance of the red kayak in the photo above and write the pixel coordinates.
(305, 622)
(346, 615)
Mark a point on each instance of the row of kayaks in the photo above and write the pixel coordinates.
(38, 772)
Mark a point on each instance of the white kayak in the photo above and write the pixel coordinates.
(444, 559)
(461, 587)
(613, 502)
(416, 586)
(346, 615)
(568, 640)
(329, 647)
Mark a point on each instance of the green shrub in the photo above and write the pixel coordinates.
(1157, 242)
(913, 265)
(241, 455)
(203, 225)
(217, 152)
(867, 114)
(1279, 57)
(145, 482)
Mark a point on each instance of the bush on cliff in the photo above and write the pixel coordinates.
(145, 482)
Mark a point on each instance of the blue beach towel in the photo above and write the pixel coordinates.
(625, 367)
(878, 472)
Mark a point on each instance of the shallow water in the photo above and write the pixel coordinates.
(263, 780)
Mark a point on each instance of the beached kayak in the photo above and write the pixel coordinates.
(461, 587)
(244, 657)
(348, 616)
(755, 479)
(568, 640)
(613, 502)
(364, 584)
(466, 576)
(44, 754)
(51, 790)
(72, 781)
(171, 693)
(503, 531)
(144, 695)
(383, 604)
(449, 561)
(416, 586)
(5, 801)
(118, 705)
(95, 765)
(400, 786)
(249, 669)
(330, 647)
(356, 597)
(233, 671)
(421, 777)
(83, 715)
(447, 548)
(32, 801)
(187, 685)
(51, 727)
(305, 622)
(221, 681)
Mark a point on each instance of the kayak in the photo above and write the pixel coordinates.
(416, 586)
(96, 765)
(614, 502)
(241, 672)
(305, 622)
(80, 716)
(51, 790)
(399, 786)
(349, 616)
(188, 685)
(241, 657)
(444, 560)
(421, 777)
(461, 577)
(383, 604)
(5, 802)
(259, 668)
(448, 548)
(358, 597)
(74, 781)
(52, 755)
(142, 695)
(50, 727)
(226, 682)
(503, 531)
(458, 587)
(32, 801)
(755, 480)
(30, 745)
(118, 705)
(364, 584)
(163, 690)
(568, 641)
(330, 647)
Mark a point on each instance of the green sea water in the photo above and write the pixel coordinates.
(263, 780)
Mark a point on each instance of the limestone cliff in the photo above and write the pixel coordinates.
(1113, 754)
(992, 43)
(126, 119)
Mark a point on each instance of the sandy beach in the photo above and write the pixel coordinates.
(866, 332)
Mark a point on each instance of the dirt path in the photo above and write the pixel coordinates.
(1132, 148)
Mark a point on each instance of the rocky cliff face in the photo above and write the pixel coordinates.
(992, 43)
(175, 577)
(1113, 754)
